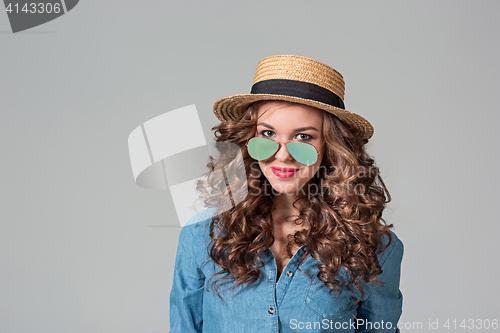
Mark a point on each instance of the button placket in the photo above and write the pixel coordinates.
(272, 308)
(289, 273)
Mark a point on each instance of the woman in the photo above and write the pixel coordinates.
(307, 249)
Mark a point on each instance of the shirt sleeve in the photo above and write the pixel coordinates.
(186, 297)
(380, 312)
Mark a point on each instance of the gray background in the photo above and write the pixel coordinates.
(84, 249)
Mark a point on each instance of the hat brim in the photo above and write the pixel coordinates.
(231, 107)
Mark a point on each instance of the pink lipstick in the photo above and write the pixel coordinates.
(283, 172)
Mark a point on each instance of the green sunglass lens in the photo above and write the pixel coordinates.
(303, 152)
(261, 148)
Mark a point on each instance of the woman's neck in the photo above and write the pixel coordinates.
(283, 204)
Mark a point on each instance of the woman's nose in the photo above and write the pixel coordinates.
(282, 154)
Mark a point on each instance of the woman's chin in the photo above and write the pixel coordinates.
(286, 189)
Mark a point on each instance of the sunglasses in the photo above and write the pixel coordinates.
(263, 148)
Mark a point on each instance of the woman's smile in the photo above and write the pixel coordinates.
(283, 172)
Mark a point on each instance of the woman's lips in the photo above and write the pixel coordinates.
(284, 172)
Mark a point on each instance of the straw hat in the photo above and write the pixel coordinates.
(295, 79)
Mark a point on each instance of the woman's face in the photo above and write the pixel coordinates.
(283, 122)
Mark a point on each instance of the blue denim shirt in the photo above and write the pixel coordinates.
(294, 303)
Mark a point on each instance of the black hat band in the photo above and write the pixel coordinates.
(299, 89)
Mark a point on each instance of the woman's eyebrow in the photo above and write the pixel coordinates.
(295, 130)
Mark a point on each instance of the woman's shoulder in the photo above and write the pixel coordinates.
(194, 237)
(394, 249)
(201, 217)
(198, 226)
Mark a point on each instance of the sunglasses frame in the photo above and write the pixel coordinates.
(285, 142)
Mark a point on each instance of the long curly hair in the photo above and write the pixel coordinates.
(342, 221)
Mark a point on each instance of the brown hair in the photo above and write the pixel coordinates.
(343, 221)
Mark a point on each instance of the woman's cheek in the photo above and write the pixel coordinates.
(307, 174)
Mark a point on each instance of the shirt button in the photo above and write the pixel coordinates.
(289, 273)
(271, 310)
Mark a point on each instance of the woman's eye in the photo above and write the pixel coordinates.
(266, 133)
(304, 137)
